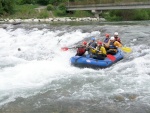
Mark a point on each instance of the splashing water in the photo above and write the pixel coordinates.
(41, 67)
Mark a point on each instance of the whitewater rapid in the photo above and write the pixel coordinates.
(42, 67)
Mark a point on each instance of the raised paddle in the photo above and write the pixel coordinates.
(126, 49)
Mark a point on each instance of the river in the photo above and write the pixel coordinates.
(40, 79)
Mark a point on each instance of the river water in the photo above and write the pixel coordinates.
(40, 79)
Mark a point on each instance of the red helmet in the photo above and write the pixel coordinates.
(99, 43)
(84, 43)
(107, 35)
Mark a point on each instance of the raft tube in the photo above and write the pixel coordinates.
(86, 61)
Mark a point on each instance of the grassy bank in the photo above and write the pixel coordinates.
(27, 11)
(35, 11)
(125, 15)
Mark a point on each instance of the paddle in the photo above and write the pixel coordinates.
(126, 49)
(66, 48)
(111, 57)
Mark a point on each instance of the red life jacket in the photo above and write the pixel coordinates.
(118, 39)
(81, 50)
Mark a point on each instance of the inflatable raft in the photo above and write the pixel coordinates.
(86, 61)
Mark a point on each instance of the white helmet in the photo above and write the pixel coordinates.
(116, 33)
(112, 38)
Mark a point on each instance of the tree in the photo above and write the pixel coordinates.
(1, 8)
(7, 6)
(29, 1)
(43, 2)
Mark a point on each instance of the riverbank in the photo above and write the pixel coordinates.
(51, 20)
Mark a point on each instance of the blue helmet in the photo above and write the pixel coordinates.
(93, 38)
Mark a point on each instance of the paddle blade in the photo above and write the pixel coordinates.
(126, 49)
(111, 57)
(64, 48)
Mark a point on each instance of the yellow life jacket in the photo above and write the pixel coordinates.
(92, 50)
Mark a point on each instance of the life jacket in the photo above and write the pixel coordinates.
(91, 46)
(101, 50)
(112, 46)
(118, 39)
(81, 50)
(106, 40)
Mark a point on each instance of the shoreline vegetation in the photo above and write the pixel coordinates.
(22, 11)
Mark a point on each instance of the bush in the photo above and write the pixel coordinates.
(25, 11)
(21, 2)
(50, 7)
(60, 12)
(140, 15)
(43, 14)
(82, 14)
(7, 6)
(62, 7)
(43, 2)
(52, 2)
(1, 8)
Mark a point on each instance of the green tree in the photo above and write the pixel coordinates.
(1, 8)
(61, 10)
(52, 2)
(43, 2)
(29, 1)
(50, 7)
(140, 14)
(8, 6)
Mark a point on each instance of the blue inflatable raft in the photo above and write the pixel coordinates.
(86, 61)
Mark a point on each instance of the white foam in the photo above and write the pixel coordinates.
(41, 61)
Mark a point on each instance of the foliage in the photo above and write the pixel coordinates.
(43, 2)
(141, 15)
(62, 7)
(20, 9)
(43, 14)
(50, 7)
(52, 2)
(1, 8)
(28, 1)
(19, 2)
(119, 15)
(24, 11)
(82, 14)
(7, 6)
(61, 10)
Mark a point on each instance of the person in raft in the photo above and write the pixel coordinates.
(107, 37)
(106, 40)
(117, 37)
(81, 49)
(112, 46)
(91, 45)
(100, 51)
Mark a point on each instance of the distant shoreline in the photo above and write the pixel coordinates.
(51, 20)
